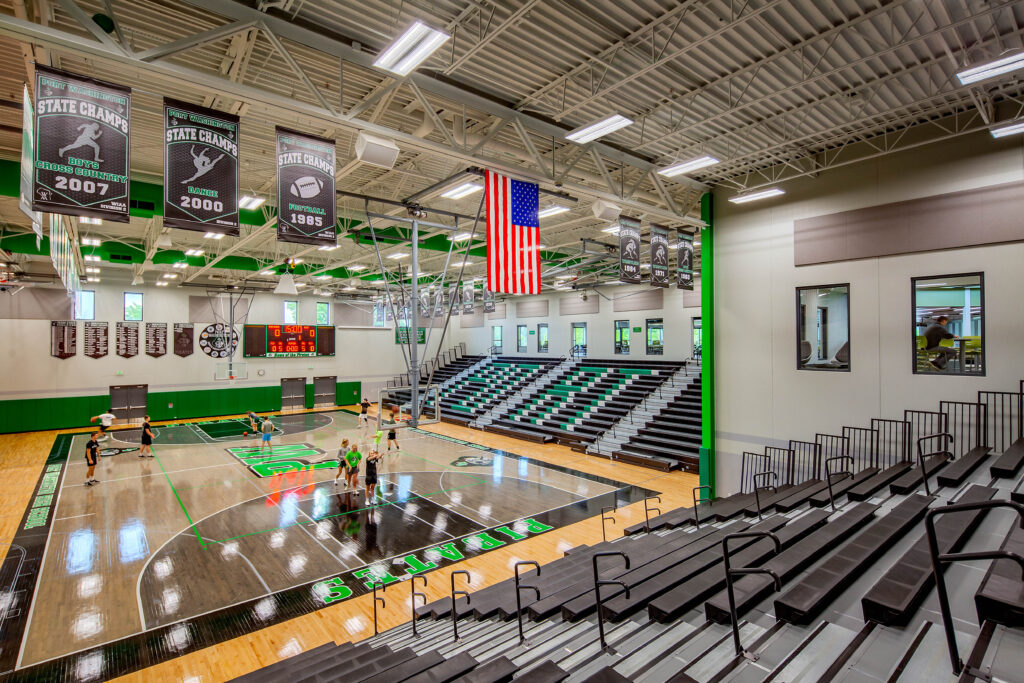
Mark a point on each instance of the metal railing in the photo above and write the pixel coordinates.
(696, 508)
(829, 473)
(455, 611)
(921, 455)
(598, 582)
(519, 588)
(416, 594)
(742, 571)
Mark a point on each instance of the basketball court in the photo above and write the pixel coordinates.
(212, 538)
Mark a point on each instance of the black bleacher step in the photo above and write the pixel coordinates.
(518, 434)
(800, 496)
(1008, 464)
(751, 589)
(275, 671)
(957, 471)
(406, 669)
(548, 672)
(895, 596)
(681, 597)
(606, 675)
(678, 452)
(912, 478)
(684, 516)
(841, 486)
(867, 488)
(447, 670)
(1000, 598)
(767, 498)
(361, 659)
(652, 461)
(802, 602)
(498, 670)
(667, 442)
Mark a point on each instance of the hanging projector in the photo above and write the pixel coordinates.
(605, 211)
(376, 151)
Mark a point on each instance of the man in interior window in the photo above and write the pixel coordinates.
(933, 336)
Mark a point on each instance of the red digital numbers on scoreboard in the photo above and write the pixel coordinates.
(291, 340)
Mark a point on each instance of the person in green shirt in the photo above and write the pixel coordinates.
(352, 459)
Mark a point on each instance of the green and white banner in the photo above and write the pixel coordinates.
(306, 205)
(81, 146)
(200, 168)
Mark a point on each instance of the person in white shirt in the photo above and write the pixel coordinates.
(106, 420)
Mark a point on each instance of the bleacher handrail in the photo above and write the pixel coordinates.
(519, 587)
(946, 558)
(383, 604)
(647, 511)
(416, 594)
(921, 455)
(757, 495)
(455, 612)
(702, 487)
(730, 572)
(598, 582)
(829, 473)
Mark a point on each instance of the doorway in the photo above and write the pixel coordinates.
(579, 339)
(293, 393)
(325, 391)
(128, 402)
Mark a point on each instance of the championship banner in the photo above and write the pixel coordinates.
(467, 298)
(156, 339)
(439, 309)
(629, 250)
(488, 301)
(455, 298)
(28, 158)
(184, 341)
(81, 146)
(684, 253)
(426, 310)
(127, 339)
(95, 336)
(305, 189)
(659, 256)
(63, 338)
(200, 169)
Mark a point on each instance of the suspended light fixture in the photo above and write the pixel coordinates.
(463, 190)
(1014, 128)
(754, 196)
(214, 235)
(411, 49)
(593, 131)
(983, 72)
(552, 211)
(250, 202)
(688, 166)
(91, 242)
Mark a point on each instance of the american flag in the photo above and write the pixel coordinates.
(513, 235)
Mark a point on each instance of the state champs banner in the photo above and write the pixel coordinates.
(629, 250)
(81, 146)
(684, 253)
(200, 168)
(306, 204)
(659, 256)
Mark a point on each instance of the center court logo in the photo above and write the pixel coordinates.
(281, 459)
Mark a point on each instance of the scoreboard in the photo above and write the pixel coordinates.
(287, 341)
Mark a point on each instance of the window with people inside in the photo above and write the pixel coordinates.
(823, 328)
(949, 324)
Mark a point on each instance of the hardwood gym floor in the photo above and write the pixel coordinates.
(167, 545)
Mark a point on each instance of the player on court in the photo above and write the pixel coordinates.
(352, 459)
(342, 450)
(254, 422)
(268, 430)
(106, 420)
(92, 456)
(147, 440)
(371, 475)
(392, 433)
(364, 415)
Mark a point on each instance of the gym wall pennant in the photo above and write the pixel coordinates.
(81, 146)
(629, 249)
(200, 168)
(306, 205)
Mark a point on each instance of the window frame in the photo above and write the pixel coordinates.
(327, 305)
(647, 336)
(578, 325)
(620, 346)
(801, 319)
(913, 323)
(499, 338)
(547, 340)
(285, 312)
(74, 304)
(522, 338)
(124, 307)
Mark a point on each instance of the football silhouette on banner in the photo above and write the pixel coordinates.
(305, 189)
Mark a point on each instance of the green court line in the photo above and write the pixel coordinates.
(187, 516)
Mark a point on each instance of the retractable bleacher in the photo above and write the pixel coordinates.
(473, 395)
(671, 438)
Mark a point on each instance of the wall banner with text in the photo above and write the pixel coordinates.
(467, 298)
(305, 189)
(81, 146)
(659, 256)
(629, 249)
(184, 339)
(156, 339)
(684, 253)
(200, 168)
(488, 301)
(63, 338)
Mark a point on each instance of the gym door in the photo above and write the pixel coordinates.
(325, 391)
(293, 393)
(128, 402)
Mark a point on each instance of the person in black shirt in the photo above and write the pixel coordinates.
(364, 412)
(933, 336)
(147, 440)
(371, 475)
(92, 456)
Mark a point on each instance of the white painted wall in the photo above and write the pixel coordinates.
(600, 325)
(362, 354)
(761, 397)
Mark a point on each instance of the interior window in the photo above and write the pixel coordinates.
(823, 327)
(949, 324)
(622, 337)
(655, 336)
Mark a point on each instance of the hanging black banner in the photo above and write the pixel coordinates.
(659, 256)
(684, 254)
(184, 341)
(63, 338)
(81, 146)
(629, 250)
(156, 339)
(127, 339)
(305, 188)
(488, 301)
(467, 298)
(200, 168)
(455, 298)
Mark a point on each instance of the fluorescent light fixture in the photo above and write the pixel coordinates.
(180, 265)
(350, 288)
(300, 284)
(324, 277)
(688, 166)
(162, 283)
(612, 229)
(356, 268)
(412, 47)
(90, 221)
(170, 276)
(250, 202)
(398, 255)
(593, 131)
(296, 261)
(268, 271)
(541, 247)
(92, 279)
(754, 196)
(91, 257)
(463, 190)
(91, 242)
(194, 252)
(328, 247)
(989, 70)
(552, 211)
(469, 263)
(92, 270)
(1004, 131)
(461, 237)
(214, 235)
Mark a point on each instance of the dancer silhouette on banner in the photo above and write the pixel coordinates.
(202, 163)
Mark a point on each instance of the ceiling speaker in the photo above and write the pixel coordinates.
(605, 211)
(376, 151)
